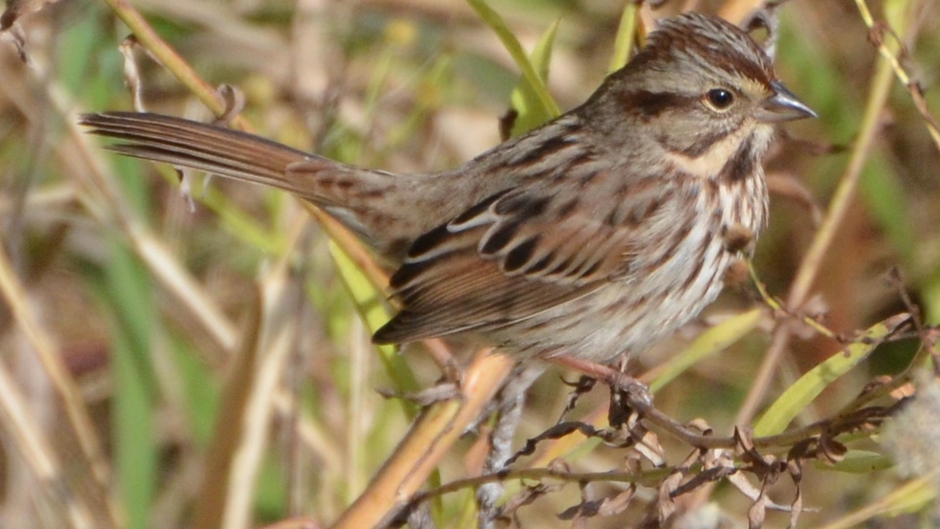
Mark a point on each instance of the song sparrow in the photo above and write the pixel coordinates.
(592, 236)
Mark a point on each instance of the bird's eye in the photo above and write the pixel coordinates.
(719, 98)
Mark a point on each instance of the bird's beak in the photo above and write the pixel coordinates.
(782, 106)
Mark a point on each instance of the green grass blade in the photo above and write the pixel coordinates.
(810, 385)
(624, 42)
(498, 25)
(858, 462)
(372, 308)
(128, 293)
(525, 98)
(708, 343)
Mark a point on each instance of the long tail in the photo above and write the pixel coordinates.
(195, 145)
(348, 193)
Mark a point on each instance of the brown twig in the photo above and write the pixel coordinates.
(878, 30)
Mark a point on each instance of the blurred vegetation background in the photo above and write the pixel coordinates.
(168, 363)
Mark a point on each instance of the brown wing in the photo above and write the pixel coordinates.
(510, 257)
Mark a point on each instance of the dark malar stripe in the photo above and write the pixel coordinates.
(703, 143)
(740, 166)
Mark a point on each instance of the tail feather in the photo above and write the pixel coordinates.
(368, 202)
(225, 152)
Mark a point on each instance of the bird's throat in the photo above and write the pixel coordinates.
(710, 163)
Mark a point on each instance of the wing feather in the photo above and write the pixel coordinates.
(513, 256)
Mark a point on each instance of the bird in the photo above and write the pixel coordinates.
(592, 236)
